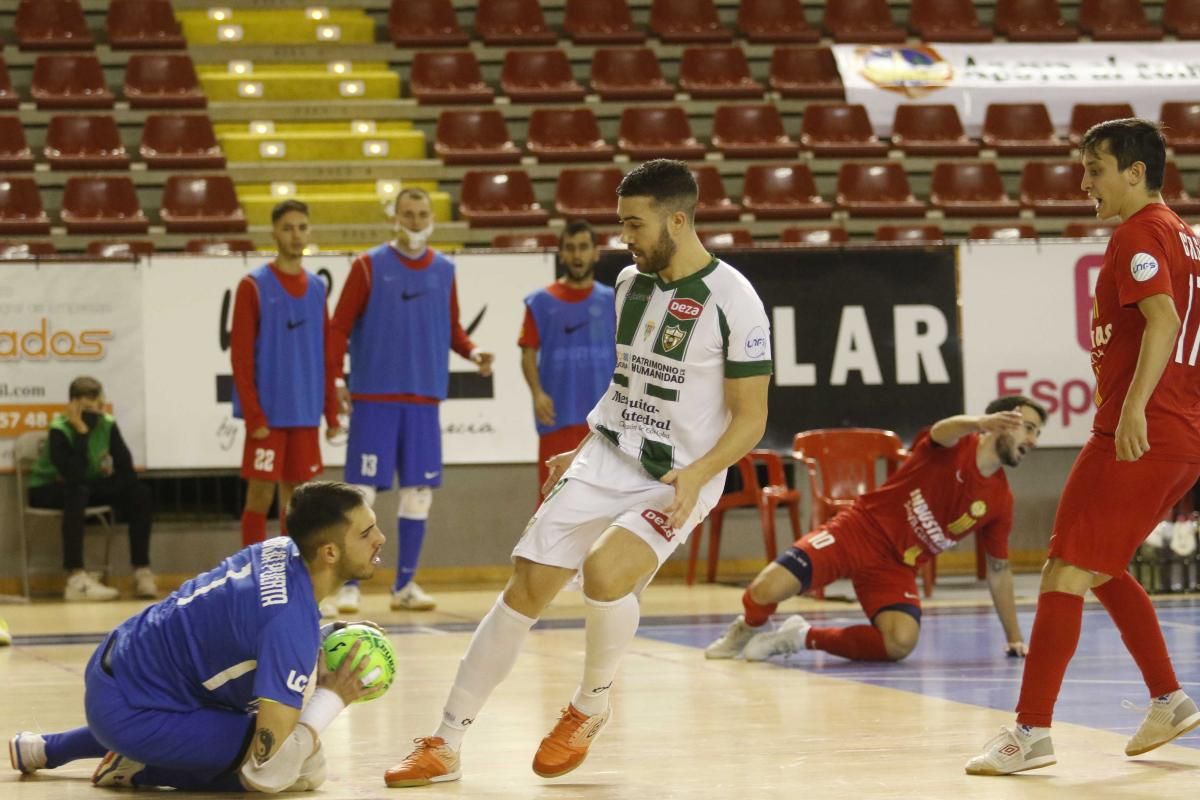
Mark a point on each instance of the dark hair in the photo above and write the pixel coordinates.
(319, 512)
(287, 205)
(577, 226)
(84, 386)
(667, 182)
(1012, 402)
(1130, 140)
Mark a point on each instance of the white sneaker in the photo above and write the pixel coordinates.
(328, 608)
(116, 771)
(1183, 537)
(144, 584)
(788, 639)
(412, 598)
(348, 598)
(1014, 752)
(1160, 535)
(83, 587)
(27, 752)
(1169, 716)
(5, 636)
(733, 640)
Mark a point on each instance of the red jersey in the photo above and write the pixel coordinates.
(937, 497)
(1152, 252)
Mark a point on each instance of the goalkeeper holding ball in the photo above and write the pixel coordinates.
(219, 687)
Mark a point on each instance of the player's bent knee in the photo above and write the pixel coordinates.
(901, 628)
(415, 502)
(605, 585)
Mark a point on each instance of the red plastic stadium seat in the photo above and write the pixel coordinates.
(1182, 18)
(102, 205)
(1021, 129)
(82, 141)
(824, 235)
(180, 141)
(651, 132)
(725, 238)
(782, 191)
(752, 131)
(201, 204)
(1032, 21)
(589, 194)
(525, 241)
(21, 209)
(1181, 125)
(448, 77)
(677, 21)
(930, 129)
(1085, 230)
(775, 21)
(15, 155)
(862, 21)
(839, 130)
(218, 247)
(163, 80)
(1175, 194)
(143, 25)
(425, 23)
(120, 249)
(69, 81)
(1117, 20)
(500, 199)
(1085, 115)
(10, 250)
(504, 22)
(946, 21)
(629, 73)
(600, 22)
(566, 134)
(712, 204)
(474, 137)
(1051, 188)
(539, 76)
(806, 72)
(909, 233)
(876, 190)
(1005, 232)
(52, 25)
(8, 95)
(970, 189)
(721, 72)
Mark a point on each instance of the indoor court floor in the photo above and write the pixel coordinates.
(807, 728)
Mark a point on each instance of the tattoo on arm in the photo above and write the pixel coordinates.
(997, 565)
(264, 743)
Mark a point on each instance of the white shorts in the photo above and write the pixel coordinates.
(605, 487)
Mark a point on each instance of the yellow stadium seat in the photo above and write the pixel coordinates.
(282, 26)
(301, 86)
(268, 246)
(336, 203)
(340, 126)
(323, 146)
(242, 66)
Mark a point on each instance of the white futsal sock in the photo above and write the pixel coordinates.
(611, 627)
(489, 658)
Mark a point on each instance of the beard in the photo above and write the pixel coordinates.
(579, 274)
(660, 257)
(1006, 449)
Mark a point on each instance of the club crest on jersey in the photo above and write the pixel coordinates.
(978, 509)
(649, 330)
(672, 337)
(684, 308)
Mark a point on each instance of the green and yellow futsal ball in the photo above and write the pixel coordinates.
(375, 648)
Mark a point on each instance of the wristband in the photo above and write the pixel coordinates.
(322, 707)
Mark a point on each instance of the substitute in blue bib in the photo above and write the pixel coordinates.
(218, 687)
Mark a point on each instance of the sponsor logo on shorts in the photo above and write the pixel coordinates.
(684, 308)
(1143, 266)
(658, 521)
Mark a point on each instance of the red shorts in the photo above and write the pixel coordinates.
(843, 548)
(555, 442)
(1109, 507)
(291, 455)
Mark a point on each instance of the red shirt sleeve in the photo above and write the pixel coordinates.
(529, 332)
(331, 401)
(350, 306)
(1139, 260)
(243, 334)
(460, 342)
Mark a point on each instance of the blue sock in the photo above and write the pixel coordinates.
(200, 781)
(411, 535)
(63, 748)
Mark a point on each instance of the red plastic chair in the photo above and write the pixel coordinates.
(775, 494)
(425, 23)
(676, 21)
(783, 191)
(443, 77)
(839, 130)
(539, 76)
(566, 134)
(868, 21)
(876, 190)
(10, 250)
(506, 22)
(476, 136)
(218, 247)
(69, 81)
(15, 155)
(8, 95)
(1182, 18)
(163, 80)
(771, 21)
(752, 131)
(931, 129)
(725, 238)
(629, 73)
(120, 249)
(1175, 194)
(1022, 129)
(806, 72)
(970, 189)
(1181, 125)
(1004, 232)
(657, 132)
(1086, 230)
(201, 204)
(717, 72)
(85, 141)
(746, 497)
(1032, 21)
(919, 233)
(600, 22)
(814, 236)
(946, 21)
(21, 211)
(500, 199)
(525, 241)
(589, 194)
(1051, 188)
(1085, 115)
(143, 25)
(180, 141)
(102, 205)
(1117, 20)
(712, 204)
(52, 25)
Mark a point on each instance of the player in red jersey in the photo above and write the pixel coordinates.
(951, 485)
(1143, 455)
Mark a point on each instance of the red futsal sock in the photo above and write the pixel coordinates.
(756, 616)
(1130, 608)
(1051, 644)
(254, 527)
(857, 643)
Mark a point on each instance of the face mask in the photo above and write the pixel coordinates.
(91, 418)
(416, 239)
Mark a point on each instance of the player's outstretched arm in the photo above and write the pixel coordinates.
(1000, 584)
(948, 431)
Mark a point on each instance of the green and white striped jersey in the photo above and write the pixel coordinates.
(676, 345)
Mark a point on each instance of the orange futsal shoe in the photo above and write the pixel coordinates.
(431, 762)
(565, 747)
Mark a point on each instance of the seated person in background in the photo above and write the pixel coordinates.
(86, 463)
